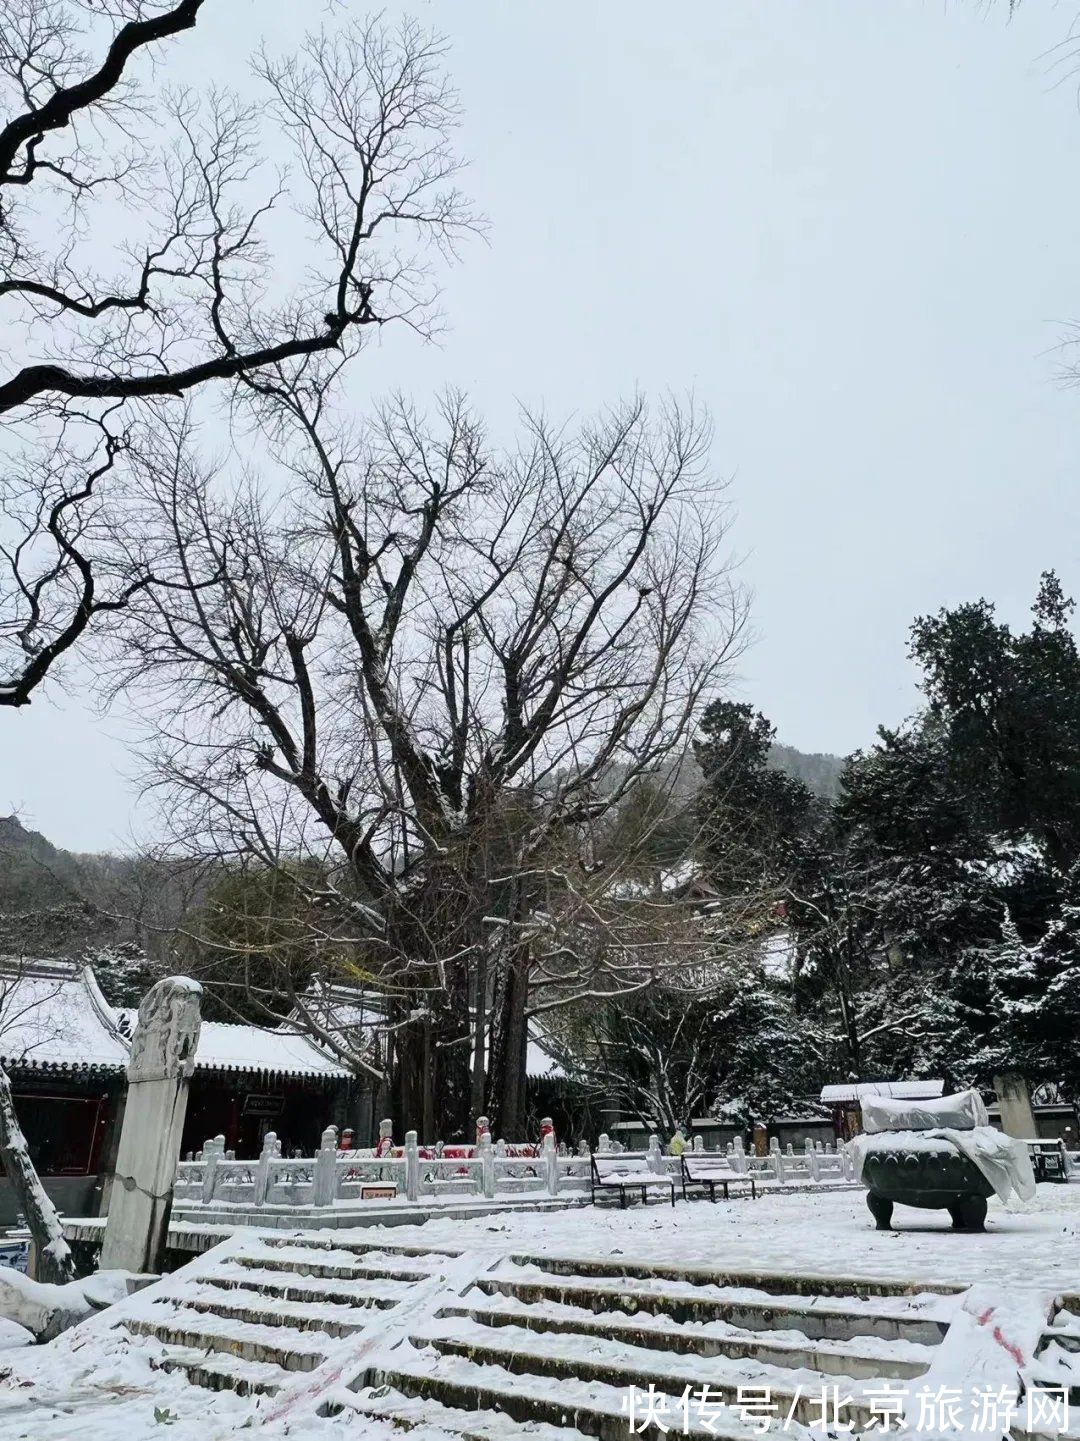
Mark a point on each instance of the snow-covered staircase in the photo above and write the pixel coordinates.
(250, 1319)
(538, 1340)
(1055, 1367)
(482, 1343)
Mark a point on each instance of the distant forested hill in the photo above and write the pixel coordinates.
(58, 902)
(818, 772)
(55, 902)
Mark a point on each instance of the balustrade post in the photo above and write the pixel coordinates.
(777, 1159)
(738, 1157)
(271, 1149)
(603, 1145)
(654, 1158)
(812, 1161)
(487, 1164)
(550, 1159)
(412, 1166)
(213, 1152)
(324, 1173)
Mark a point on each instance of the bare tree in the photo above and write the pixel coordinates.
(427, 671)
(143, 237)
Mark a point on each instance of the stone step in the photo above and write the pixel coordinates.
(693, 1341)
(1067, 1337)
(773, 1283)
(282, 1346)
(624, 1367)
(284, 1286)
(375, 1250)
(593, 1410)
(1053, 1377)
(330, 1270)
(817, 1323)
(254, 1308)
(220, 1371)
(407, 1413)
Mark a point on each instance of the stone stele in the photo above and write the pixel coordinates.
(162, 1060)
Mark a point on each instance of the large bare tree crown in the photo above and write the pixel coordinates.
(149, 244)
(412, 673)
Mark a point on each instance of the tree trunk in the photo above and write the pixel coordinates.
(479, 1049)
(54, 1261)
(431, 1053)
(506, 1076)
(427, 1114)
(407, 1078)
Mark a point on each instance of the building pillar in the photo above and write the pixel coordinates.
(162, 1060)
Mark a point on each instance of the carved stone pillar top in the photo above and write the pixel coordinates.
(167, 1032)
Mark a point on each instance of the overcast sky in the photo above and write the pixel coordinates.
(852, 229)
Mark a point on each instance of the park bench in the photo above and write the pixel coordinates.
(706, 1173)
(1048, 1160)
(623, 1173)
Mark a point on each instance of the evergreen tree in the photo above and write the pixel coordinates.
(1008, 706)
(752, 816)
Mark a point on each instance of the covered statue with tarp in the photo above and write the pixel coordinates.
(938, 1153)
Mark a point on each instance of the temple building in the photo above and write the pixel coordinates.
(65, 1051)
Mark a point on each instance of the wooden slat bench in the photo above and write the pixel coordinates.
(625, 1173)
(1048, 1159)
(703, 1172)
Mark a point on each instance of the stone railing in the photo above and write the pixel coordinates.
(814, 1165)
(331, 1176)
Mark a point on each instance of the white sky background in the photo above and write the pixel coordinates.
(851, 228)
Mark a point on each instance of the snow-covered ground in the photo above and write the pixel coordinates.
(103, 1388)
(1037, 1244)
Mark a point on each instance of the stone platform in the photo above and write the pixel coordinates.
(197, 1231)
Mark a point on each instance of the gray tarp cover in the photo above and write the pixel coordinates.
(961, 1112)
(959, 1122)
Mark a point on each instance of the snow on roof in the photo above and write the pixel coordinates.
(224, 1047)
(683, 874)
(341, 1009)
(901, 1090)
(685, 877)
(227, 1047)
(778, 956)
(54, 1017)
(538, 1061)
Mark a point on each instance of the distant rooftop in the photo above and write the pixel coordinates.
(899, 1090)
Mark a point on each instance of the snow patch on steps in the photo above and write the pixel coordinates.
(610, 1360)
(869, 1355)
(287, 1285)
(589, 1407)
(938, 1302)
